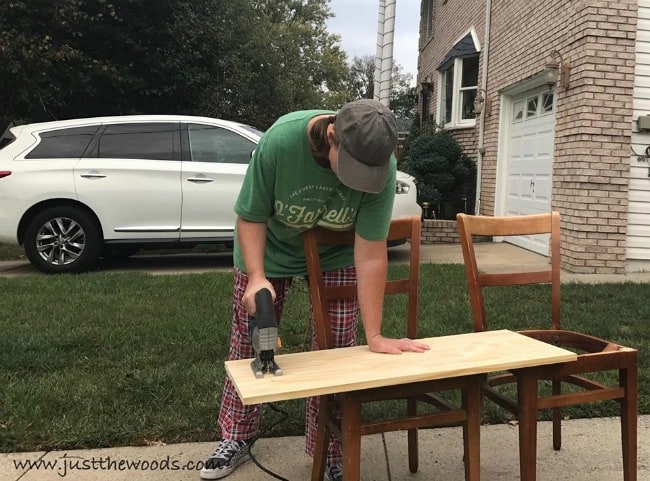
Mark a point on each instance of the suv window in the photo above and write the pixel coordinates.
(138, 141)
(63, 143)
(216, 144)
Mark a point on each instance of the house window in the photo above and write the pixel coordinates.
(518, 111)
(547, 103)
(533, 106)
(426, 20)
(532, 103)
(459, 86)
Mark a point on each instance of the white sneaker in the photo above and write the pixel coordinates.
(228, 455)
(334, 473)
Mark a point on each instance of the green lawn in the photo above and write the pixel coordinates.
(107, 359)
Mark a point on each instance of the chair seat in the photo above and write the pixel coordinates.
(573, 340)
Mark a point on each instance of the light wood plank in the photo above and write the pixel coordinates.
(331, 371)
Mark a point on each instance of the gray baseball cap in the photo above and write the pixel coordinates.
(367, 134)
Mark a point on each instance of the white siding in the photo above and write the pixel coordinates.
(638, 228)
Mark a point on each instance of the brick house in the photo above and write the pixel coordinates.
(561, 86)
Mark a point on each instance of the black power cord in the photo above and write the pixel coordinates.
(264, 433)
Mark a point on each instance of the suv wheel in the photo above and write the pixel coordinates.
(63, 239)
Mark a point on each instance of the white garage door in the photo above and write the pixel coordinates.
(530, 161)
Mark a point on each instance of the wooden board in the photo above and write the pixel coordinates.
(353, 368)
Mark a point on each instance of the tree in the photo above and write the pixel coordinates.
(403, 95)
(362, 77)
(248, 60)
(286, 58)
(74, 58)
(362, 86)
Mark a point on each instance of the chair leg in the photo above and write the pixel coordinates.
(527, 406)
(322, 440)
(557, 418)
(472, 401)
(411, 409)
(351, 437)
(628, 379)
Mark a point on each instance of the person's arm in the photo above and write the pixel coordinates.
(252, 242)
(371, 263)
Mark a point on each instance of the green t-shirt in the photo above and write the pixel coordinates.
(287, 189)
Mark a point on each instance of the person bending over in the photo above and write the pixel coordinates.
(313, 168)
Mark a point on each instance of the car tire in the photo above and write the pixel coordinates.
(63, 239)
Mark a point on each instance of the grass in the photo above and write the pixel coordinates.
(107, 359)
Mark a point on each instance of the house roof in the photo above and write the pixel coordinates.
(464, 47)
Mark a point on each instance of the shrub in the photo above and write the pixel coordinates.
(445, 176)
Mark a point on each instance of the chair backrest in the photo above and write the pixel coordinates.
(475, 225)
(403, 228)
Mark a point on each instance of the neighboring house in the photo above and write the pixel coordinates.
(578, 144)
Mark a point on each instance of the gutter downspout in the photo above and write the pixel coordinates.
(481, 131)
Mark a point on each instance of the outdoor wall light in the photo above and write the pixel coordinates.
(427, 85)
(481, 103)
(557, 67)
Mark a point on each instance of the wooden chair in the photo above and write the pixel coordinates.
(341, 413)
(594, 354)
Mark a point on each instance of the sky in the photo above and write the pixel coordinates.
(356, 23)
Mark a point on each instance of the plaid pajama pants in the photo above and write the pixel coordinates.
(239, 422)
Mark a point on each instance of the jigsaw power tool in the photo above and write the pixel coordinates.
(263, 334)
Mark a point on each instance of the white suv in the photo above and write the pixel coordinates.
(72, 191)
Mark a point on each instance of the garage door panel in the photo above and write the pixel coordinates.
(544, 141)
(529, 138)
(518, 186)
(513, 186)
(536, 206)
(526, 191)
(543, 189)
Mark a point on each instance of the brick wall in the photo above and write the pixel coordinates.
(439, 232)
(594, 115)
(444, 232)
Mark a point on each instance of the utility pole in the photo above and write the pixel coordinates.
(384, 56)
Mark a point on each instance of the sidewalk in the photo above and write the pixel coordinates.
(591, 451)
